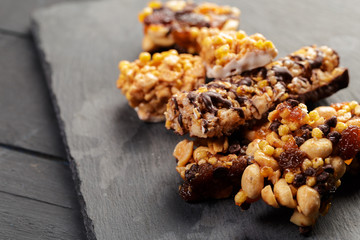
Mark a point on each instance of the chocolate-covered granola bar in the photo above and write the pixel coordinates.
(177, 23)
(222, 106)
(150, 81)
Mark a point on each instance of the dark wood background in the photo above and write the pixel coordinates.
(123, 169)
(37, 195)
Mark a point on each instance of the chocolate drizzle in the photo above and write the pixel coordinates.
(282, 73)
(161, 15)
(317, 62)
(213, 100)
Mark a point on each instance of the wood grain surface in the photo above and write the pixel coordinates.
(38, 200)
(15, 15)
(27, 119)
(124, 168)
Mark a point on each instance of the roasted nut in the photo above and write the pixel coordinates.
(283, 194)
(252, 182)
(326, 112)
(317, 147)
(275, 177)
(268, 196)
(201, 153)
(253, 147)
(339, 166)
(301, 220)
(308, 200)
(183, 152)
(264, 160)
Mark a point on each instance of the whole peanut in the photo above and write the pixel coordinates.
(268, 196)
(252, 181)
(317, 147)
(326, 112)
(283, 194)
(308, 200)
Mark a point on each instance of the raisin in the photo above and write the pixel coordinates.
(334, 137)
(349, 143)
(274, 126)
(291, 158)
(299, 141)
(235, 148)
(328, 168)
(324, 128)
(331, 122)
(299, 180)
(190, 174)
(310, 171)
(323, 177)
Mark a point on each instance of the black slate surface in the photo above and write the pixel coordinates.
(27, 119)
(123, 167)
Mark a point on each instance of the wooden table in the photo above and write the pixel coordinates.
(37, 196)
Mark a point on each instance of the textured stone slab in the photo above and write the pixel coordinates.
(124, 168)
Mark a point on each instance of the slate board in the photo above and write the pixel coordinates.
(124, 169)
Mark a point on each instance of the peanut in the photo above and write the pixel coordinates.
(339, 166)
(283, 194)
(308, 200)
(264, 160)
(302, 220)
(253, 147)
(183, 152)
(268, 196)
(317, 147)
(326, 112)
(252, 182)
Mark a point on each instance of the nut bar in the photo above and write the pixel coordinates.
(228, 53)
(149, 82)
(212, 170)
(222, 106)
(176, 24)
(299, 158)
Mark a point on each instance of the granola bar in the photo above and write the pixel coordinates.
(300, 158)
(222, 106)
(295, 160)
(177, 23)
(228, 53)
(149, 82)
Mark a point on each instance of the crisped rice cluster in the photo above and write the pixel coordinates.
(149, 82)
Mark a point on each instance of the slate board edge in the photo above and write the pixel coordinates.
(35, 31)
